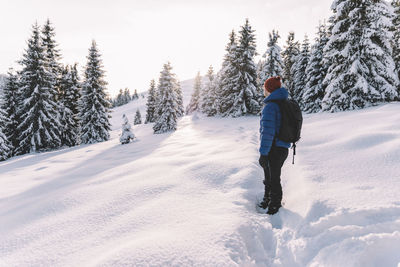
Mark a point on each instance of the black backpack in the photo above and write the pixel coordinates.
(291, 122)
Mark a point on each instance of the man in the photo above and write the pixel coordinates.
(273, 152)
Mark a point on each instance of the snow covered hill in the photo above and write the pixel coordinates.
(188, 198)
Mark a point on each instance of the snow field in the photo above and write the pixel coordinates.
(188, 198)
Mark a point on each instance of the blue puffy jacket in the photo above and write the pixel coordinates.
(271, 121)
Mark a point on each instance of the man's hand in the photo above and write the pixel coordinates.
(263, 161)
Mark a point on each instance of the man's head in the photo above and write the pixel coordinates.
(272, 84)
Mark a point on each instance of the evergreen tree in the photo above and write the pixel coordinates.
(299, 72)
(10, 104)
(120, 98)
(194, 104)
(69, 101)
(209, 102)
(362, 70)
(95, 106)
(167, 106)
(272, 65)
(228, 76)
(5, 145)
(138, 118)
(179, 97)
(241, 94)
(135, 95)
(396, 37)
(127, 134)
(151, 103)
(289, 54)
(316, 70)
(64, 113)
(246, 101)
(39, 126)
(157, 102)
(127, 96)
(52, 58)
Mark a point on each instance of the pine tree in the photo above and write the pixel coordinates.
(127, 134)
(138, 118)
(194, 104)
(179, 97)
(64, 113)
(52, 58)
(243, 84)
(316, 70)
(127, 96)
(272, 65)
(362, 70)
(10, 104)
(5, 144)
(289, 54)
(299, 72)
(39, 126)
(120, 100)
(396, 38)
(95, 106)
(167, 107)
(217, 88)
(69, 101)
(209, 102)
(228, 76)
(246, 101)
(135, 95)
(151, 103)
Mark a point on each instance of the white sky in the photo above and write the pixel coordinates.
(137, 37)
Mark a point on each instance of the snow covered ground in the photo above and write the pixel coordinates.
(188, 198)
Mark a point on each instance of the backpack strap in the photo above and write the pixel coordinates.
(294, 151)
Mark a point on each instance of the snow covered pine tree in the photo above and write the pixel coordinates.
(5, 145)
(126, 135)
(209, 96)
(289, 54)
(272, 65)
(151, 103)
(95, 110)
(167, 106)
(361, 71)
(69, 96)
(194, 104)
(396, 39)
(127, 95)
(52, 56)
(299, 72)
(179, 97)
(315, 73)
(228, 75)
(10, 104)
(39, 126)
(243, 95)
(138, 118)
(135, 95)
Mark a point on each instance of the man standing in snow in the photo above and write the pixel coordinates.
(273, 152)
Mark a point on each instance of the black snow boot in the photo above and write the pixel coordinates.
(264, 203)
(273, 208)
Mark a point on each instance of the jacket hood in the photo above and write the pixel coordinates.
(278, 94)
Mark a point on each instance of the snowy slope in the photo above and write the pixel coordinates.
(188, 197)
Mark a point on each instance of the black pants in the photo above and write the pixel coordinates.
(272, 174)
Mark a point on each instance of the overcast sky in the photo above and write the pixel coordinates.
(137, 37)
